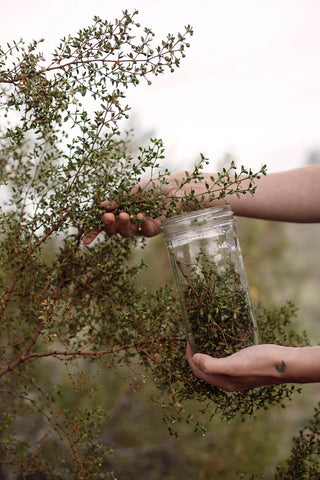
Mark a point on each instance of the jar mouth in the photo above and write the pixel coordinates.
(197, 218)
(217, 210)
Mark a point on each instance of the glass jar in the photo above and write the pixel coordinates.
(209, 273)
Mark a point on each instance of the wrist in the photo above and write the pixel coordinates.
(298, 364)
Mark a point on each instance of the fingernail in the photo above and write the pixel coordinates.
(196, 358)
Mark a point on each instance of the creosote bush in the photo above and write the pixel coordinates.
(68, 308)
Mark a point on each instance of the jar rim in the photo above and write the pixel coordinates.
(217, 211)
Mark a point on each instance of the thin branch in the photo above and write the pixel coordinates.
(82, 353)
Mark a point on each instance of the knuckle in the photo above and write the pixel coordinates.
(205, 367)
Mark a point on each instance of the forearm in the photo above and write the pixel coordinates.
(292, 196)
(302, 365)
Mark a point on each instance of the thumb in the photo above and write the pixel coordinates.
(211, 365)
(196, 358)
(203, 362)
(89, 236)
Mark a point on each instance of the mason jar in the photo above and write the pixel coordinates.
(211, 282)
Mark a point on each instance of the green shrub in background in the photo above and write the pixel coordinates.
(71, 313)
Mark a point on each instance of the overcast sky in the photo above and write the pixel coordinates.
(250, 84)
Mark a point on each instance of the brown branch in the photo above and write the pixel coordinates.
(187, 279)
(18, 79)
(81, 353)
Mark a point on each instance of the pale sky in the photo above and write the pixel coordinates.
(249, 85)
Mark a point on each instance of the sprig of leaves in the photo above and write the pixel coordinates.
(155, 195)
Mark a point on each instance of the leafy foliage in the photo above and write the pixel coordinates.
(68, 311)
(304, 461)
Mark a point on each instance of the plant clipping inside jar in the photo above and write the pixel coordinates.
(209, 273)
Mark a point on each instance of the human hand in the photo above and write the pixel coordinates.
(123, 224)
(180, 191)
(253, 366)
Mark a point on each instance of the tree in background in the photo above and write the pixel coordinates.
(70, 313)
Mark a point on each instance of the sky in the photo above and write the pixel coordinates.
(249, 85)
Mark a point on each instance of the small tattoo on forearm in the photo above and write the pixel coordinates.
(281, 368)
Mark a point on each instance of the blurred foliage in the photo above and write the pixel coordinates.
(304, 461)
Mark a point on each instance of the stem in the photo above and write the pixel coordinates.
(187, 279)
(78, 353)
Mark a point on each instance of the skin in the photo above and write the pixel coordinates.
(291, 196)
(257, 366)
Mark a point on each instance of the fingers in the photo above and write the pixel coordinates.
(109, 223)
(122, 226)
(108, 205)
(127, 228)
(148, 227)
(205, 364)
(90, 236)
(219, 380)
(203, 369)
